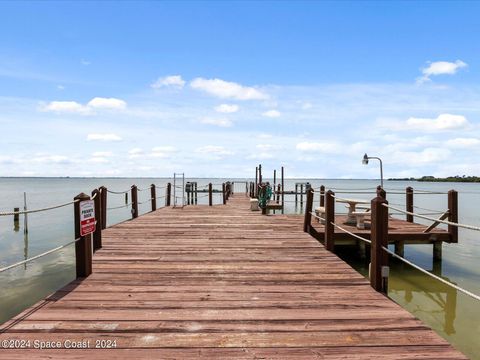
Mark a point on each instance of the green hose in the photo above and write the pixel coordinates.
(264, 195)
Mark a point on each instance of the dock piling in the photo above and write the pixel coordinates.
(379, 239)
(97, 234)
(134, 191)
(103, 193)
(168, 194)
(453, 214)
(83, 247)
(223, 193)
(153, 196)
(322, 196)
(16, 219)
(409, 202)
(308, 211)
(210, 195)
(329, 220)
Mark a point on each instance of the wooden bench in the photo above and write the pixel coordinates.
(320, 211)
(360, 216)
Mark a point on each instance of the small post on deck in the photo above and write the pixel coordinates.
(224, 195)
(168, 194)
(134, 191)
(153, 196)
(283, 192)
(83, 246)
(256, 182)
(97, 234)
(296, 194)
(196, 193)
(308, 211)
(453, 214)
(210, 197)
(322, 196)
(103, 193)
(260, 177)
(409, 202)
(278, 193)
(379, 238)
(329, 220)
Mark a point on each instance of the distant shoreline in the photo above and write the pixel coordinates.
(457, 178)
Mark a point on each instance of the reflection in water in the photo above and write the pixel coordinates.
(445, 297)
(25, 247)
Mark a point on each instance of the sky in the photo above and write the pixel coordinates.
(213, 89)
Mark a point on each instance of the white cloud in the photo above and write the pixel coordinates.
(65, 107)
(272, 113)
(135, 153)
(322, 147)
(214, 152)
(103, 137)
(427, 156)
(306, 106)
(56, 159)
(107, 103)
(440, 68)
(222, 122)
(97, 103)
(85, 62)
(463, 142)
(227, 90)
(169, 81)
(267, 147)
(102, 154)
(227, 108)
(162, 151)
(442, 122)
(99, 160)
(260, 156)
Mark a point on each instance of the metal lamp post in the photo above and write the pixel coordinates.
(365, 162)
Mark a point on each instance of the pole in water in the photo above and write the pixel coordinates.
(16, 225)
(25, 216)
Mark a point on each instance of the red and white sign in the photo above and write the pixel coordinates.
(87, 217)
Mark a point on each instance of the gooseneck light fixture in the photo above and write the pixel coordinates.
(365, 162)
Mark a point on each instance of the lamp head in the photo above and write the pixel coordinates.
(365, 159)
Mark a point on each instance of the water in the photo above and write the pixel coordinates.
(453, 315)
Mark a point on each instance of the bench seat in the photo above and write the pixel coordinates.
(360, 216)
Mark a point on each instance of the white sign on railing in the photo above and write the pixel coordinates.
(87, 217)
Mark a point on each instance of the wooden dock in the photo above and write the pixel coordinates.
(221, 282)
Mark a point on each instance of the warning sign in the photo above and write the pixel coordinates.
(87, 217)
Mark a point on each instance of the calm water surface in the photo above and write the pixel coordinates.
(453, 315)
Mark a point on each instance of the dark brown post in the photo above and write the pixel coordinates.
(196, 193)
(224, 195)
(409, 202)
(453, 214)
(210, 197)
(322, 196)
(329, 219)
(260, 177)
(256, 182)
(83, 247)
(103, 192)
(308, 211)
(168, 195)
(283, 192)
(97, 235)
(379, 238)
(16, 219)
(153, 196)
(134, 201)
(278, 193)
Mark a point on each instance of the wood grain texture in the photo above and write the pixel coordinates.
(221, 282)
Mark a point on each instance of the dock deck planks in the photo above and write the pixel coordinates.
(222, 282)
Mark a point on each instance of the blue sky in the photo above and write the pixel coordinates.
(214, 88)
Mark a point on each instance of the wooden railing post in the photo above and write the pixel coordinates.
(278, 193)
(308, 211)
(196, 193)
(283, 191)
(97, 235)
(103, 193)
(256, 182)
(153, 196)
(409, 202)
(134, 191)
(453, 214)
(83, 247)
(210, 195)
(379, 238)
(224, 195)
(329, 220)
(322, 196)
(168, 194)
